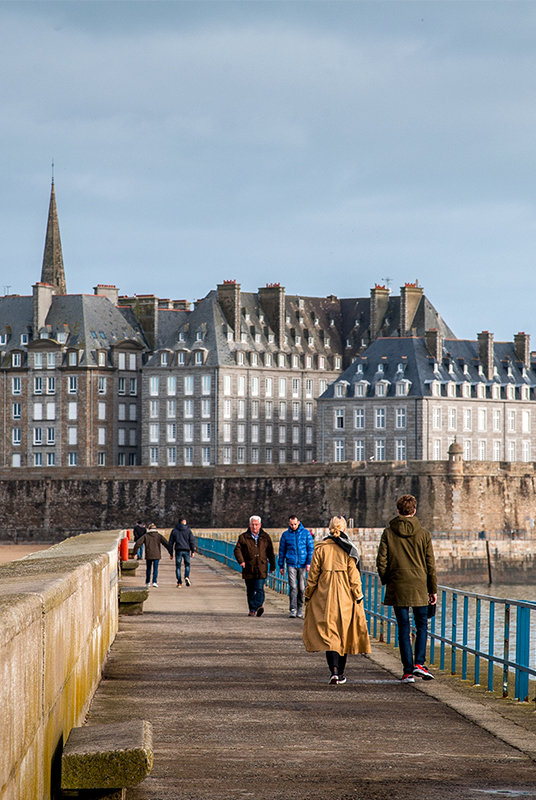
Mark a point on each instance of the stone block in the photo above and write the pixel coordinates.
(107, 756)
(131, 600)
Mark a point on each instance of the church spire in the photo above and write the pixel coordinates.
(52, 271)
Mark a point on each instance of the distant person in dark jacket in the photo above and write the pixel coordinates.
(296, 548)
(153, 541)
(182, 541)
(406, 565)
(138, 531)
(254, 552)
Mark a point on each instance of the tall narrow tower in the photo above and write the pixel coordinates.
(52, 271)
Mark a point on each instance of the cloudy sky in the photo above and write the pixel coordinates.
(327, 146)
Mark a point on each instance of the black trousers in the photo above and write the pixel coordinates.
(336, 662)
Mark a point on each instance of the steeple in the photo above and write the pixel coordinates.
(52, 271)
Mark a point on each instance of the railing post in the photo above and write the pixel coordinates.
(375, 623)
(454, 633)
(465, 636)
(477, 640)
(506, 648)
(522, 652)
(443, 629)
(491, 644)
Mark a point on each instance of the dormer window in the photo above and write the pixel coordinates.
(182, 336)
(261, 317)
(247, 316)
(102, 334)
(525, 393)
(331, 323)
(380, 390)
(511, 392)
(451, 389)
(287, 318)
(198, 358)
(360, 390)
(337, 362)
(321, 362)
(465, 369)
(254, 360)
(94, 334)
(229, 336)
(301, 320)
(436, 367)
(243, 337)
(496, 392)
(435, 388)
(400, 368)
(61, 337)
(380, 367)
(271, 338)
(480, 370)
(164, 359)
(199, 336)
(43, 334)
(451, 368)
(281, 360)
(102, 358)
(72, 358)
(310, 341)
(481, 391)
(402, 388)
(326, 341)
(360, 368)
(267, 359)
(298, 340)
(466, 390)
(257, 338)
(339, 390)
(240, 358)
(24, 338)
(16, 359)
(3, 338)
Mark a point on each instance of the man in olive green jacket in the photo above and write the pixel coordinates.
(406, 565)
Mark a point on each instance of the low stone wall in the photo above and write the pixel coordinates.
(58, 619)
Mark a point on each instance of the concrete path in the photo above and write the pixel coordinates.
(240, 710)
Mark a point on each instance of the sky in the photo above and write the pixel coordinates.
(327, 146)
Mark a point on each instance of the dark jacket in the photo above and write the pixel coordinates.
(153, 541)
(256, 555)
(406, 563)
(296, 547)
(138, 531)
(182, 538)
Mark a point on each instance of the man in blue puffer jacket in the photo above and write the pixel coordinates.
(296, 548)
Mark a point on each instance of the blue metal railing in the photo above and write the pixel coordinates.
(505, 633)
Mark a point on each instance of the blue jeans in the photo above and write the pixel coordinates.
(255, 592)
(420, 615)
(152, 563)
(297, 578)
(179, 556)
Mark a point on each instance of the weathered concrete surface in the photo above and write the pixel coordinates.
(240, 710)
(107, 756)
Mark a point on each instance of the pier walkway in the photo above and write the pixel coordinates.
(240, 710)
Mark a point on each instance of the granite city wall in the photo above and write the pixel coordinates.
(58, 619)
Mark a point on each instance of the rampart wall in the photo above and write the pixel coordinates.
(58, 619)
(490, 496)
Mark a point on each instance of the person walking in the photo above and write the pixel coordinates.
(406, 566)
(334, 616)
(138, 531)
(254, 551)
(153, 541)
(182, 541)
(296, 548)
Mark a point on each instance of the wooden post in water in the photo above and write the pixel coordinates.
(489, 562)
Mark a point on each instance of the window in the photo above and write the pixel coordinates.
(511, 451)
(254, 357)
(16, 410)
(359, 450)
(121, 361)
(308, 360)
(436, 450)
(481, 391)
(164, 359)
(38, 361)
(38, 410)
(154, 386)
(188, 385)
(268, 356)
(226, 431)
(254, 409)
(16, 435)
(132, 437)
(339, 390)
(72, 435)
(281, 360)
(101, 410)
(241, 409)
(227, 384)
(51, 410)
(308, 411)
(339, 418)
(154, 432)
(268, 434)
(188, 431)
(525, 422)
(482, 421)
(269, 387)
(188, 409)
(241, 432)
(511, 421)
(295, 361)
(282, 434)
(3, 338)
(268, 455)
(51, 459)
(269, 409)
(360, 390)
(101, 459)
(295, 434)
(181, 358)
(72, 384)
(121, 386)
(400, 449)
(282, 410)
(379, 449)
(380, 390)
(240, 358)
(133, 386)
(122, 411)
(295, 387)
(72, 358)
(496, 420)
(38, 436)
(436, 419)
(400, 422)
(16, 360)
(38, 459)
(172, 456)
(467, 450)
(467, 419)
(401, 388)
(171, 409)
(254, 455)
(206, 384)
(121, 437)
(132, 412)
(72, 411)
(205, 431)
(321, 362)
(205, 408)
(132, 361)
(496, 451)
(51, 385)
(323, 385)
(153, 409)
(482, 450)
(171, 432)
(102, 359)
(451, 419)
(308, 435)
(379, 419)
(295, 411)
(16, 460)
(282, 456)
(101, 436)
(282, 387)
(205, 456)
(171, 385)
(255, 387)
(240, 455)
(15, 385)
(227, 409)
(153, 456)
(188, 456)
(308, 388)
(435, 389)
(38, 385)
(241, 386)
(226, 455)
(525, 451)
(255, 434)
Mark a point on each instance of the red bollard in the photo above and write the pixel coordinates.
(123, 549)
(129, 536)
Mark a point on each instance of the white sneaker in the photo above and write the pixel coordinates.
(293, 613)
(155, 584)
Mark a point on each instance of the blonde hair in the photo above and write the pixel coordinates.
(337, 525)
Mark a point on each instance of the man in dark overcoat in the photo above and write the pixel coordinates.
(254, 551)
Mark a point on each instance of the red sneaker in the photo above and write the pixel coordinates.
(423, 673)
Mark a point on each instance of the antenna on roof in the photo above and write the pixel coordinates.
(388, 282)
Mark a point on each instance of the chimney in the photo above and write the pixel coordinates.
(410, 297)
(181, 305)
(434, 344)
(522, 348)
(486, 352)
(229, 300)
(107, 290)
(145, 308)
(42, 300)
(272, 302)
(379, 300)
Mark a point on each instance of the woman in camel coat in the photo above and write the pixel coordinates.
(334, 616)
